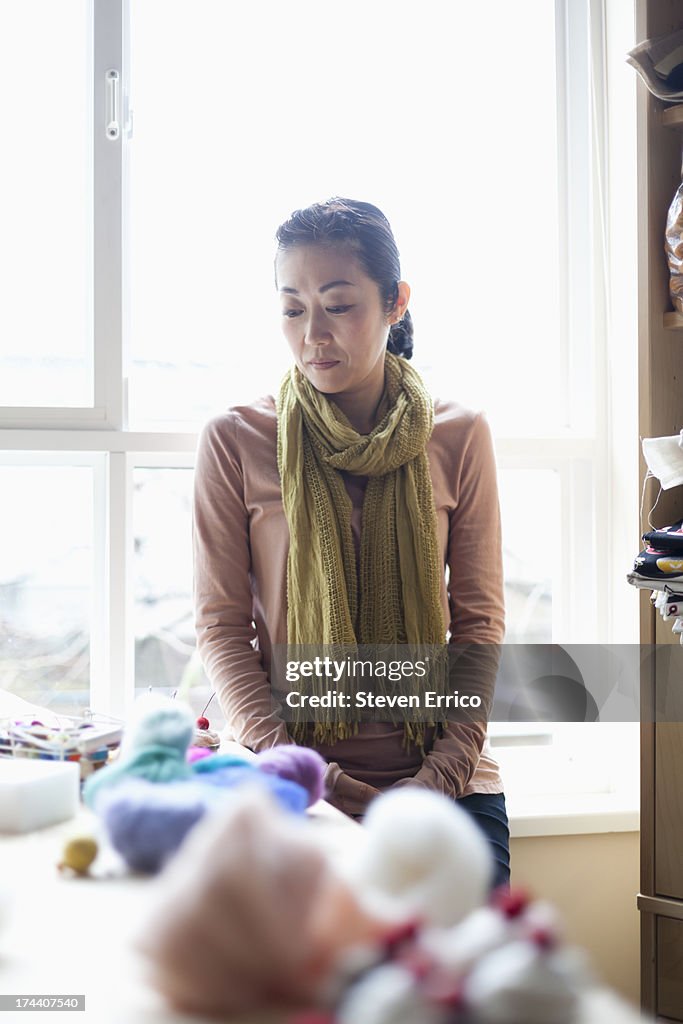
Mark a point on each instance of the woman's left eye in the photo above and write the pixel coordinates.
(338, 309)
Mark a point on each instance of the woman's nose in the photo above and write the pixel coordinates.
(317, 330)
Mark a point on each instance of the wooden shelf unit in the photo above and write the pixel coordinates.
(660, 369)
(672, 117)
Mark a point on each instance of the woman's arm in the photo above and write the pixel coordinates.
(222, 591)
(475, 594)
(223, 608)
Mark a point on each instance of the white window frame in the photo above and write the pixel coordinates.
(582, 456)
(600, 521)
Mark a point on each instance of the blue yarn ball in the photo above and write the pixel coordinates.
(207, 765)
(154, 746)
(156, 764)
(164, 723)
(147, 821)
(290, 795)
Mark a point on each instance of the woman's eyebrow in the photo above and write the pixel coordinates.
(324, 288)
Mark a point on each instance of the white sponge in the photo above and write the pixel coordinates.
(35, 793)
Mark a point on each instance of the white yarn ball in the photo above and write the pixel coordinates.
(541, 915)
(521, 984)
(423, 857)
(484, 930)
(387, 995)
(458, 948)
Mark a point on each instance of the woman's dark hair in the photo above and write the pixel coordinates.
(369, 235)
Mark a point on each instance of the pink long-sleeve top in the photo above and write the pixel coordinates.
(241, 541)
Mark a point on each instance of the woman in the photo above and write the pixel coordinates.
(332, 514)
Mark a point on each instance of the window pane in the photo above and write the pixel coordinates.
(530, 510)
(459, 153)
(45, 182)
(165, 654)
(46, 571)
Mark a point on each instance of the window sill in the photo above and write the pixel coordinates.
(586, 814)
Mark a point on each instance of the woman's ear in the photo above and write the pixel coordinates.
(401, 302)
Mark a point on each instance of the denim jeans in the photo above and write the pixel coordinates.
(488, 812)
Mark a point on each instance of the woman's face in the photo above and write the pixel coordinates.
(332, 318)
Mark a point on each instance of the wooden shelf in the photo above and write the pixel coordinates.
(673, 321)
(660, 905)
(672, 117)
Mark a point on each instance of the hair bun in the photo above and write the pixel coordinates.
(400, 340)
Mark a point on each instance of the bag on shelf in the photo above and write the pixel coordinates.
(674, 249)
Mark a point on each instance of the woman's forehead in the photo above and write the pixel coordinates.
(315, 265)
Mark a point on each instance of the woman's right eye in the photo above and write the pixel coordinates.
(291, 312)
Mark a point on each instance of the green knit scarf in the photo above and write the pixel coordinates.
(395, 595)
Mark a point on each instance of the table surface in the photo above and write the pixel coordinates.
(63, 935)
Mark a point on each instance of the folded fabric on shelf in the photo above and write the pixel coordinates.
(667, 539)
(658, 565)
(666, 595)
(648, 583)
(672, 607)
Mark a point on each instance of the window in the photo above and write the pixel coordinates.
(47, 170)
(148, 237)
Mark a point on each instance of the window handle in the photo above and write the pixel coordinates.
(112, 129)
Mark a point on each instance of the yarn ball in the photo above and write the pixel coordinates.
(289, 795)
(520, 983)
(387, 995)
(146, 822)
(154, 764)
(215, 762)
(158, 720)
(298, 764)
(458, 948)
(423, 857)
(78, 854)
(197, 754)
(154, 746)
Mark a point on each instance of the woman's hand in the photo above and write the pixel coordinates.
(351, 796)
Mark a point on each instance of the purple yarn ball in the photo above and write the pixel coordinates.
(147, 821)
(298, 764)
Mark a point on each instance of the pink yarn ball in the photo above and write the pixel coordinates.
(197, 754)
(298, 764)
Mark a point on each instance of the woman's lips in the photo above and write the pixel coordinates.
(324, 364)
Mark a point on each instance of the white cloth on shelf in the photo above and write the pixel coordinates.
(664, 457)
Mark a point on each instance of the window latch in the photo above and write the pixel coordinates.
(112, 129)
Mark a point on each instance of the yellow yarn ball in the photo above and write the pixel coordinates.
(78, 854)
